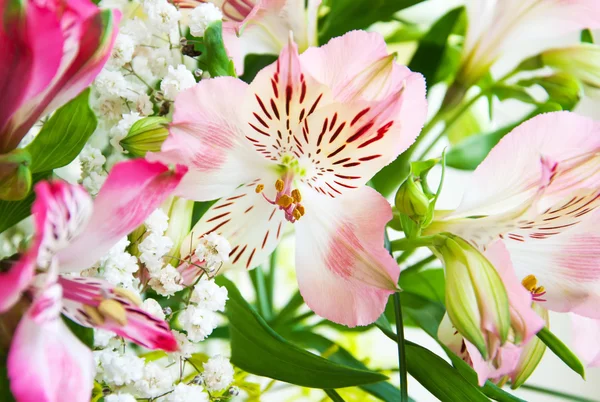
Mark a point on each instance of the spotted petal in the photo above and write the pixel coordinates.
(207, 137)
(131, 192)
(46, 362)
(344, 272)
(86, 303)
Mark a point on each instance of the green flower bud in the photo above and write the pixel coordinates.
(146, 135)
(180, 222)
(581, 61)
(15, 176)
(531, 355)
(476, 298)
(411, 201)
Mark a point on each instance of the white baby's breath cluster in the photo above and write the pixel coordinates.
(200, 317)
(92, 169)
(118, 267)
(213, 250)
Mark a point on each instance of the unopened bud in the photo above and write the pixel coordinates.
(15, 176)
(411, 201)
(146, 135)
(582, 61)
(168, 311)
(198, 380)
(531, 354)
(234, 391)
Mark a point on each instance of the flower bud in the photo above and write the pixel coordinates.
(15, 176)
(411, 201)
(180, 221)
(581, 60)
(531, 354)
(146, 135)
(476, 298)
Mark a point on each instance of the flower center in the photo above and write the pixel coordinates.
(287, 198)
(530, 283)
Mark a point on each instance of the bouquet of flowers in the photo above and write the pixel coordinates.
(246, 200)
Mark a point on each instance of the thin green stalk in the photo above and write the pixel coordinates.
(407, 244)
(288, 311)
(335, 397)
(262, 303)
(271, 279)
(401, 352)
(404, 256)
(562, 395)
(420, 264)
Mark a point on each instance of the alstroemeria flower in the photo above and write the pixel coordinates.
(497, 25)
(538, 192)
(263, 26)
(71, 234)
(51, 51)
(298, 145)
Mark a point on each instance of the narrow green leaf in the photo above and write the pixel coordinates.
(504, 92)
(259, 350)
(562, 351)
(13, 212)
(388, 179)
(563, 396)
(347, 15)
(429, 55)
(253, 63)
(214, 58)
(562, 88)
(587, 36)
(63, 136)
(84, 334)
(257, 276)
(335, 397)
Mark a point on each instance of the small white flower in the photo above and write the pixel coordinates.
(91, 159)
(218, 373)
(110, 83)
(120, 398)
(137, 30)
(103, 338)
(202, 16)
(167, 281)
(118, 369)
(93, 182)
(144, 105)
(213, 249)
(177, 80)
(151, 306)
(108, 107)
(186, 348)
(122, 51)
(162, 15)
(120, 130)
(199, 323)
(187, 393)
(155, 380)
(157, 222)
(152, 249)
(208, 295)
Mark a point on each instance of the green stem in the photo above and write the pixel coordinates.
(562, 395)
(420, 264)
(407, 244)
(401, 352)
(335, 397)
(288, 311)
(262, 303)
(271, 279)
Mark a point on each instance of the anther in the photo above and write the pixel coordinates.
(113, 309)
(296, 214)
(285, 201)
(539, 290)
(95, 317)
(300, 208)
(259, 188)
(129, 295)
(296, 195)
(529, 282)
(279, 185)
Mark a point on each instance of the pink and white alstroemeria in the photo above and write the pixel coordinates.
(497, 25)
(298, 145)
(40, 72)
(263, 26)
(71, 234)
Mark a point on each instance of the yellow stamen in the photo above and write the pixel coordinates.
(297, 215)
(296, 195)
(95, 317)
(113, 309)
(285, 201)
(279, 184)
(129, 295)
(530, 283)
(539, 290)
(259, 188)
(300, 208)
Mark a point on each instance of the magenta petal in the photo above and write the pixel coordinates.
(141, 327)
(131, 192)
(46, 362)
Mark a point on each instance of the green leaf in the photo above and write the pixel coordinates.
(465, 126)
(562, 351)
(438, 377)
(406, 33)
(259, 350)
(562, 88)
(388, 179)
(587, 36)
(5, 394)
(504, 92)
(84, 334)
(253, 63)
(429, 283)
(468, 154)
(335, 397)
(63, 136)
(382, 390)
(13, 212)
(347, 15)
(429, 55)
(214, 59)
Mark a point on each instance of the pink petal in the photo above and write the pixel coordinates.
(46, 362)
(141, 327)
(524, 320)
(131, 192)
(29, 60)
(207, 137)
(566, 263)
(344, 272)
(252, 226)
(586, 332)
(506, 361)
